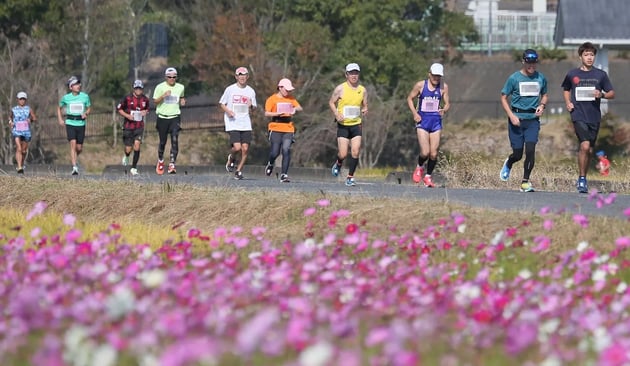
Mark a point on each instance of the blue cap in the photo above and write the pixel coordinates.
(601, 153)
(530, 56)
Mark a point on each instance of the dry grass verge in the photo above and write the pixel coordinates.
(153, 213)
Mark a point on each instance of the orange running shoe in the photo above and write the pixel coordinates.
(428, 182)
(417, 174)
(159, 168)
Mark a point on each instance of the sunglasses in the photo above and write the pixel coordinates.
(171, 77)
(240, 73)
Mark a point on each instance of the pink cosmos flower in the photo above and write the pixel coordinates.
(310, 211)
(38, 209)
(615, 355)
(258, 230)
(581, 220)
(323, 203)
(73, 235)
(623, 242)
(35, 232)
(254, 331)
(542, 243)
(69, 220)
(548, 224)
(193, 233)
(352, 228)
(377, 336)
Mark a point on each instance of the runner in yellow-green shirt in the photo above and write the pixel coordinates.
(168, 96)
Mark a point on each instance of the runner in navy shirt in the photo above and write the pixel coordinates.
(584, 87)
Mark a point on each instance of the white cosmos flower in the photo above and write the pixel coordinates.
(153, 278)
(525, 274)
(582, 246)
(120, 302)
(319, 354)
(104, 355)
(598, 275)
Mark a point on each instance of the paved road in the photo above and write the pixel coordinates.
(320, 181)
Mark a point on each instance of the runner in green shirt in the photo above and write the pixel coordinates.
(76, 106)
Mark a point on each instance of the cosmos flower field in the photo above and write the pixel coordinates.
(344, 295)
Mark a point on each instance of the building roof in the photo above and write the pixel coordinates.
(605, 23)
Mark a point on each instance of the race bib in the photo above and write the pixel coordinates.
(240, 108)
(171, 99)
(351, 111)
(21, 126)
(284, 108)
(75, 108)
(137, 115)
(430, 105)
(528, 89)
(584, 93)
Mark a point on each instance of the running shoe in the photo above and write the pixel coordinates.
(350, 182)
(125, 160)
(230, 164)
(428, 182)
(171, 168)
(417, 174)
(75, 170)
(284, 178)
(582, 185)
(238, 175)
(505, 171)
(335, 169)
(527, 187)
(159, 168)
(133, 171)
(20, 170)
(269, 169)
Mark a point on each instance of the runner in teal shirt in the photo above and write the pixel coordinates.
(77, 106)
(523, 98)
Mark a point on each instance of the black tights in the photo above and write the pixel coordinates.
(164, 127)
(530, 158)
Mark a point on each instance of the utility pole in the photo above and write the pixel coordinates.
(490, 27)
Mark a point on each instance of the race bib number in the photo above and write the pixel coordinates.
(21, 125)
(529, 89)
(171, 99)
(584, 93)
(351, 111)
(284, 108)
(137, 115)
(75, 108)
(430, 105)
(240, 108)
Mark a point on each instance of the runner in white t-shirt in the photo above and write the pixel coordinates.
(237, 101)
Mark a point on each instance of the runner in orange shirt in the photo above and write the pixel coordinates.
(281, 107)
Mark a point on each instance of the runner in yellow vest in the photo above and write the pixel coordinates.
(348, 104)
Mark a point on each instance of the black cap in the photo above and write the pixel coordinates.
(530, 56)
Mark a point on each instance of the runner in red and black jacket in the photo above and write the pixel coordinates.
(134, 108)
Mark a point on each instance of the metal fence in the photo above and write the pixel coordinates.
(207, 116)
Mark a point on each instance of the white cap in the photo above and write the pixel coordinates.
(352, 67)
(138, 84)
(73, 81)
(286, 83)
(170, 70)
(437, 69)
(241, 71)
(21, 95)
